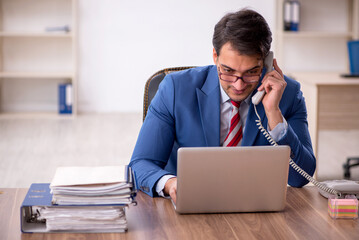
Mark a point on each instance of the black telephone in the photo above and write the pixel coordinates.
(339, 188)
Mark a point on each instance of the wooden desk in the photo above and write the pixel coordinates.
(305, 217)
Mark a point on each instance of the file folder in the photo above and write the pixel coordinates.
(39, 195)
(65, 98)
(353, 52)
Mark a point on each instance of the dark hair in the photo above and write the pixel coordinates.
(246, 30)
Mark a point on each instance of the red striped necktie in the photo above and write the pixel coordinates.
(235, 131)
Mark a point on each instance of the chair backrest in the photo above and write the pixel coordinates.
(152, 85)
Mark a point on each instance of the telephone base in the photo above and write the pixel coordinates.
(345, 187)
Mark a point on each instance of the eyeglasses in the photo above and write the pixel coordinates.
(246, 78)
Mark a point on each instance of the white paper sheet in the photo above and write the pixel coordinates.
(69, 176)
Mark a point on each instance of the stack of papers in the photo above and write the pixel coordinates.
(91, 199)
(91, 186)
(89, 219)
(116, 193)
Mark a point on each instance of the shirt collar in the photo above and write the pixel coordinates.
(225, 98)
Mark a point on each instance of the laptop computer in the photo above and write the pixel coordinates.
(232, 179)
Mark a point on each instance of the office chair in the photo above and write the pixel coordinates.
(152, 85)
(348, 165)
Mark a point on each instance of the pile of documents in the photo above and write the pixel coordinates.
(88, 219)
(89, 199)
(111, 193)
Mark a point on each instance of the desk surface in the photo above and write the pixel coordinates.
(304, 217)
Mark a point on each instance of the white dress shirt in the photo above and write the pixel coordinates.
(226, 111)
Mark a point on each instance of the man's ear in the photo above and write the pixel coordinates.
(215, 56)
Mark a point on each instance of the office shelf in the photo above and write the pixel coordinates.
(320, 43)
(35, 115)
(316, 56)
(34, 61)
(313, 34)
(36, 34)
(49, 75)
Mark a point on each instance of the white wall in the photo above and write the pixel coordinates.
(122, 43)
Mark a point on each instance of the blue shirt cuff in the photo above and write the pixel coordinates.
(279, 131)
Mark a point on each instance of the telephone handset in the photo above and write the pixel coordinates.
(268, 63)
(339, 188)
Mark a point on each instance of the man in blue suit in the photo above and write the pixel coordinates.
(193, 108)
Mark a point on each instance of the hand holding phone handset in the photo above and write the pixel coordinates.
(337, 189)
(268, 63)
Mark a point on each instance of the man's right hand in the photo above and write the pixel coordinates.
(171, 188)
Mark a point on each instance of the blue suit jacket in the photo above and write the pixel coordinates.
(186, 113)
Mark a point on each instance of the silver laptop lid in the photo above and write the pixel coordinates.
(232, 179)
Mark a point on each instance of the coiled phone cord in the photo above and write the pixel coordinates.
(292, 163)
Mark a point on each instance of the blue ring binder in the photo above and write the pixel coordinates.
(353, 52)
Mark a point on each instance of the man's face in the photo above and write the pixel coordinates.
(230, 62)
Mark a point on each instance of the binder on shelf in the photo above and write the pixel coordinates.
(291, 15)
(286, 15)
(39, 199)
(65, 28)
(294, 23)
(353, 52)
(65, 98)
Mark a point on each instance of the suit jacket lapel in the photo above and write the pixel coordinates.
(251, 130)
(208, 98)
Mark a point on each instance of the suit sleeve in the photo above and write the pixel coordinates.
(297, 137)
(155, 140)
